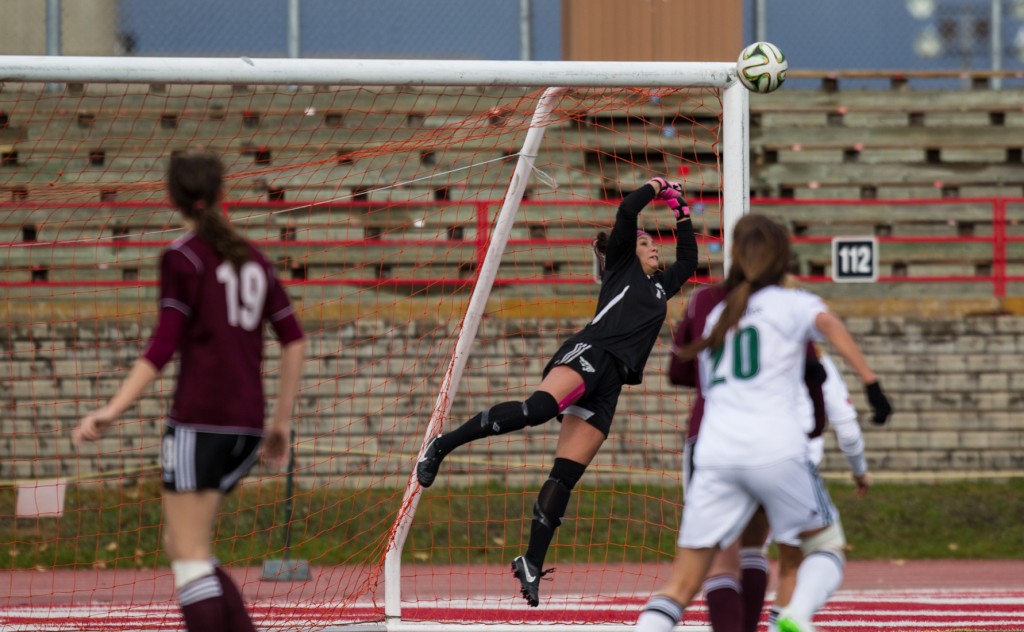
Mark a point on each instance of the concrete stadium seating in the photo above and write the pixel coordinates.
(379, 343)
(825, 143)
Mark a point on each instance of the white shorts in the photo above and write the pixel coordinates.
(816, 450)
(721, 501)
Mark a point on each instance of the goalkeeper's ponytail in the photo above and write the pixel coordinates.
(760, 258)
(194, 180)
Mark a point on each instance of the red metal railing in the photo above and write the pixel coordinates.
(483, 212)
(999, 239)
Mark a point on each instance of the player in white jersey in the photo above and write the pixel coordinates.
(753, 448)
(842, 416)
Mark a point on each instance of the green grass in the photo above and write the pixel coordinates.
(962, 520)
(120, 527)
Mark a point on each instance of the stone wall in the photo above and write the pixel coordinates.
(956, 385)
(369, 387)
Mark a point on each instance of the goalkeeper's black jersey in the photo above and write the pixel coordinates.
(632, 306)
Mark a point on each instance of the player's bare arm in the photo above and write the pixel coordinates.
(836, 333)
(92, 426)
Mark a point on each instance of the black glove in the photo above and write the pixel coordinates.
(879, 403)
(814, 372)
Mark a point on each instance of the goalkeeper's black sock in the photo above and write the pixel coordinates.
(501, 419)
(466, 433)
(550, 507)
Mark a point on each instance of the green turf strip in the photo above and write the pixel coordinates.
(120, 527)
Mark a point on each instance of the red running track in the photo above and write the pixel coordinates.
(912, 595)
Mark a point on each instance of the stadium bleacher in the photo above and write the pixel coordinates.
(806, 145)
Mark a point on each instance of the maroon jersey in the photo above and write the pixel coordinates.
(214, 315)
(684, 372)
(690, 329)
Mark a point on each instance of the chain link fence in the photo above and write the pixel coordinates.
(439, 29)
(892, 34)
(814, 34)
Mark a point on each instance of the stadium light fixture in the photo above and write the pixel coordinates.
(1018, 44)
(967, 30)
(928, 43)
(921, 9)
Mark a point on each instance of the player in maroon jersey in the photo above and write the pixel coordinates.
(216, 293)
(738, 578)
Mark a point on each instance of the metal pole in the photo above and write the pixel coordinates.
(525, 31)
(736, 164)
(286, 569)
(293, 29)
(470, 325)
(53, 46)
(760, 21)
(53, 27)
(380, 72)
(289, 489)
(996, 37)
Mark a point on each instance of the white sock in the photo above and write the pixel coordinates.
(188, 571)
(819, 576)
(661, 614)
(773, 619)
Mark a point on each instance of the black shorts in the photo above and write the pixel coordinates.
(602, 383)
(193, 461)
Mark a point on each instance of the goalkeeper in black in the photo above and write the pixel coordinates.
(582, 382)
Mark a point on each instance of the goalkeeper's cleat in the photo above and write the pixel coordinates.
(791, 624)
(429, 463)
(529, 579)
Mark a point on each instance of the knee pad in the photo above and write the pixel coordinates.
(829, 540)
(554, 494)
(511, 416)
(540, 408)
(188, 571)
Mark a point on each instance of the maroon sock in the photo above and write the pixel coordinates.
(754, 580)
(202, 604)
(725, 605)
(234, 607)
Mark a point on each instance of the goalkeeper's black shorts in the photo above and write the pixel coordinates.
(602, 381)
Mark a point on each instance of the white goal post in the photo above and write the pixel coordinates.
(556, 77)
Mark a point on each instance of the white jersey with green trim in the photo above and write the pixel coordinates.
(753, 384)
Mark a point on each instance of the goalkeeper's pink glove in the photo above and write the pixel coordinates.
(672, 194)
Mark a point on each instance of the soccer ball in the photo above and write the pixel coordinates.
(762, 67)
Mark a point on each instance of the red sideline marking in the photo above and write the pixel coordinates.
(850, 611)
